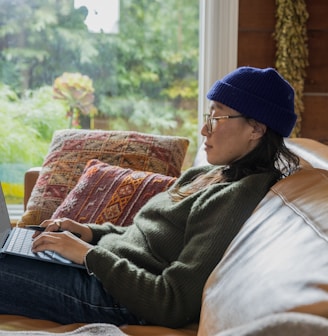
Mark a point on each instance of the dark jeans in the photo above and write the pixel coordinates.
(59, 293)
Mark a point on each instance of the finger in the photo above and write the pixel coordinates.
(52, 225)
(35, 234)
(55, 241)
(46, 222)
(45, 241)
(48, 225)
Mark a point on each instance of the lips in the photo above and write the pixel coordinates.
(207, 147)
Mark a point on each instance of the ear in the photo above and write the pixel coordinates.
(258, 130)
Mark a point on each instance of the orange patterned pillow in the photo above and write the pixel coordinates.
(106, 193)
(70, 150)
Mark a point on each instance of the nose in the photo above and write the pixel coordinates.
(204, 130)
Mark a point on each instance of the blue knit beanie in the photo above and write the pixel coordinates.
(260, 94)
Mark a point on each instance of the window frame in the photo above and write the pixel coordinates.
(218, 46)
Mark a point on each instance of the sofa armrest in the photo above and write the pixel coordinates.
(30, 178)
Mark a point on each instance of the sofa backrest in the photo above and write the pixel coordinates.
(278, 262)
(310, 150)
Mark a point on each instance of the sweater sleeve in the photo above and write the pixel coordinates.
(99, 230)
(173, 298)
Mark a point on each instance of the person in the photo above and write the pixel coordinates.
(154, 271)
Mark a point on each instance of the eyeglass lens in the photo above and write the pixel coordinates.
(208, 121)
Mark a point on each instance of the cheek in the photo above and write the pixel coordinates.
(228, 147)
(221, 152)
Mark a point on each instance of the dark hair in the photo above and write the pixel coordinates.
(270, 155)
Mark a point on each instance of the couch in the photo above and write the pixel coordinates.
(273, 278)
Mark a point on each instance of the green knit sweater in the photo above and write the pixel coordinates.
(158, 266)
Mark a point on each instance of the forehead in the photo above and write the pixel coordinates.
(217, 106)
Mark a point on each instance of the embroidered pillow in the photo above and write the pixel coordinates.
(106, 193)
(70, 150)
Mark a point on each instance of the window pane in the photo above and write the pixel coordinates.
(141, 56)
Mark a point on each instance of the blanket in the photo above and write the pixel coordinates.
(291, 324)
(94, 329)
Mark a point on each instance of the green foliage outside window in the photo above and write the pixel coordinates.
(145, 77)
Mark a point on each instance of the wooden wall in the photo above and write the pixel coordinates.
(256, 47)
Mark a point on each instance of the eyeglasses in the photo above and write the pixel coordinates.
(211, 121)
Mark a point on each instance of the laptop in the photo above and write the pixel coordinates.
(18, 241)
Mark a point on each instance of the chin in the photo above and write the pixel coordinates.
(214, 162)
(217, 162)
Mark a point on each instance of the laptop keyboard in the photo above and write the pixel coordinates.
(21, 242)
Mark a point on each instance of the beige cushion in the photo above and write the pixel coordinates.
(279, 260)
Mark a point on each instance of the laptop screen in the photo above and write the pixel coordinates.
(5, 226)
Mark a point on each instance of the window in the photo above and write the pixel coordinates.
(143, 63)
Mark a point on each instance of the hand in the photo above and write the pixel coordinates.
(66, 224)
(64, 243)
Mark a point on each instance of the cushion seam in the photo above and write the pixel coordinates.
(306, 219)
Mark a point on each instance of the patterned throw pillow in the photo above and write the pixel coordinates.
(70, 150)
(106, 193)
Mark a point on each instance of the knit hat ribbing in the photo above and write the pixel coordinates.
(260, 94)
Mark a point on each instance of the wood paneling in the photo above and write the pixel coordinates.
(314, 120)
(317, 72)
(318, 14)
(256, 14)
(315, 117)
(256, 47)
